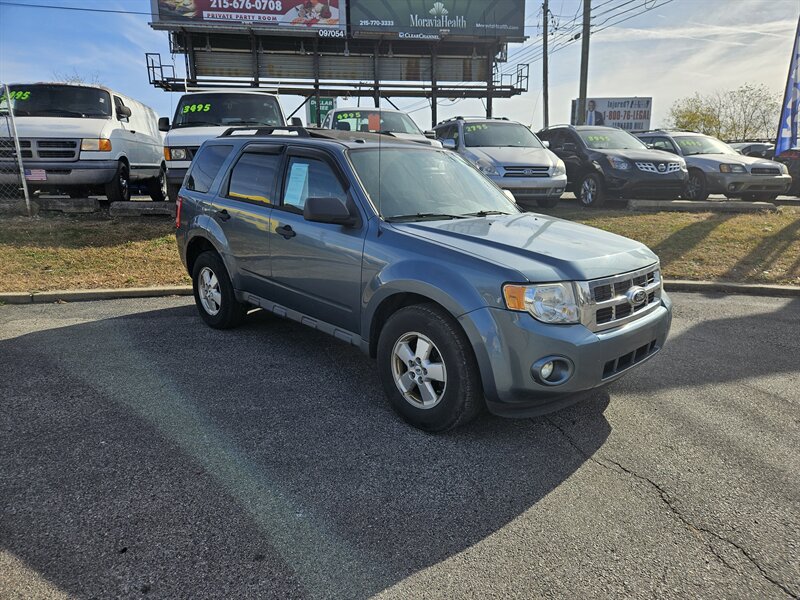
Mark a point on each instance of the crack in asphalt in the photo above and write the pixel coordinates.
(606, 464)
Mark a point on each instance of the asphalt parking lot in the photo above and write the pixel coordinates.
(143, 454)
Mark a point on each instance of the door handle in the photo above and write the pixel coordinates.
(222, 215)
(132, 131)
(286, 231)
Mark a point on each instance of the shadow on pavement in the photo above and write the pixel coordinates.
(150, 454)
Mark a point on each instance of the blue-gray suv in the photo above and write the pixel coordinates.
(412, 255)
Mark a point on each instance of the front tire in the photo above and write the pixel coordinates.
(119, 188)
(591, 192)
(428, 370)
(696, 188)
(157, 188)
(213, 292)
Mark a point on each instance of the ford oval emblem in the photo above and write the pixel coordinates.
(636, 296)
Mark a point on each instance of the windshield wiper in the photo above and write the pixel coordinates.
(486, 213)
(193, 123)
(422, 216)
(61, 111)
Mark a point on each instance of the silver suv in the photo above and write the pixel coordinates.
(509, 154)
(716, 168)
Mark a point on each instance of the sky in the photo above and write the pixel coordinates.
(669, 52)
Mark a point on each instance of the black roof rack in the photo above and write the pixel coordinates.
(339, 135)
(300, 131)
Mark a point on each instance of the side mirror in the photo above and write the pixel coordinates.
(123, 112)
(510, 196)
(449, 144)
(430, 134)
(650, 146)
(569, 147)
(327, 209)
(546, 144)
(296, 122)
(163, 124)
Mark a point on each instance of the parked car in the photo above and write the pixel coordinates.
(81, 140)
(204, 115)
(378, 120)
(413, 256)
(607, 162)
(509, 154)
(791, 160)
(757, 149)
(716, 168)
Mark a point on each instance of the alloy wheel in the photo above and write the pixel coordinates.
(588, 190)
(418, 370)
(209, 292)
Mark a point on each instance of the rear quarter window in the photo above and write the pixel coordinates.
(205, 167)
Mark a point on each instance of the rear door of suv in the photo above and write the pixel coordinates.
(316, 267)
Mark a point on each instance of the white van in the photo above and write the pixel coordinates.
(83, 139)
(203, 115)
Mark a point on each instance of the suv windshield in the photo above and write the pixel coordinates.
(610, 139)
(374, 121)
(414, 184)
(57, 100)
(197, 110)
(493, 134)
(702, 144)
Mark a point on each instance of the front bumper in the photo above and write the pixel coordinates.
(508, 343)
(635, 183)
(175, 175)
(744, 183)
(532, 187)
(62, 174)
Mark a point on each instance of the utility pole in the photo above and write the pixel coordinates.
(545, 91)
(580, 117)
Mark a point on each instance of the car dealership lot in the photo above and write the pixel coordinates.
(143, 453)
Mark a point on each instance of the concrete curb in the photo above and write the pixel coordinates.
(671, 285)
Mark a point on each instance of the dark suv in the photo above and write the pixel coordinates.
(607, 162)
(412, 255)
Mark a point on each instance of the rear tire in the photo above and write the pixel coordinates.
(423, 350)
(119, 188)
(547, 202)
(591, 192)
(213, 292)
(157, 188)
(696, 188)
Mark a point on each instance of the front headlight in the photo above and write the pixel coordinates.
(682, 163)
(96, 145)
(176, 153)
(726, 168)
(619, 163)
(548, 302)
(784, 169)
(561, 168)
(485, 167)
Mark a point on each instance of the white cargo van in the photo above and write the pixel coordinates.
(83, 139)
(202, 115)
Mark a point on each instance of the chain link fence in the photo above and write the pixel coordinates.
(13, 185)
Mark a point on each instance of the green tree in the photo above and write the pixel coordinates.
(748, 112)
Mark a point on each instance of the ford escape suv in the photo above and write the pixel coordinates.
(416, 258)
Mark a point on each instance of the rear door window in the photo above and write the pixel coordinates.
(253, 177)
(205, 167)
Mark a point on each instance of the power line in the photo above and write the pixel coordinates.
(94, 10)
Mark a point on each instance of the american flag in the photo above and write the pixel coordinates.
(35, 175)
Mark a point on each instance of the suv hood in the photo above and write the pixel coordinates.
(637, 154)
(416, 137)
(59, 127)
(730, 159)
(540, 247)
(514, 156)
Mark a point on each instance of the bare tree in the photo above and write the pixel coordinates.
(748, 112)
(92, 78)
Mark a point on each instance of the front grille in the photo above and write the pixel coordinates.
(765, 171)
(626, 361)
(660, 168)
(60, 150)
(526, 171)
(605, 302)
(55, 154)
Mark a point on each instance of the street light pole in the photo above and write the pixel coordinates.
(545, 90)
(580, 117)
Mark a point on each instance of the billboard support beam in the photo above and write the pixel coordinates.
(254, 49)
(316, 78)
(376, 91)
(434, 88)
(490, 81)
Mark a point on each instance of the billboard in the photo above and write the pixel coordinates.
(630, 114)
(326, 105)
(288, 13)
(437, 19)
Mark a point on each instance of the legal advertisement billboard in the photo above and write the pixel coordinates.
(434, 20)
(286, 13)
(630, 114)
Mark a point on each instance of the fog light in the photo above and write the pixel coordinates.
(546, 370)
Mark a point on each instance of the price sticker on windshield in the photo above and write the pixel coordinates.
(597, 138)
(471, 128)
(17, 95)
(196, 108)
(687, 143)
(344, 116)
